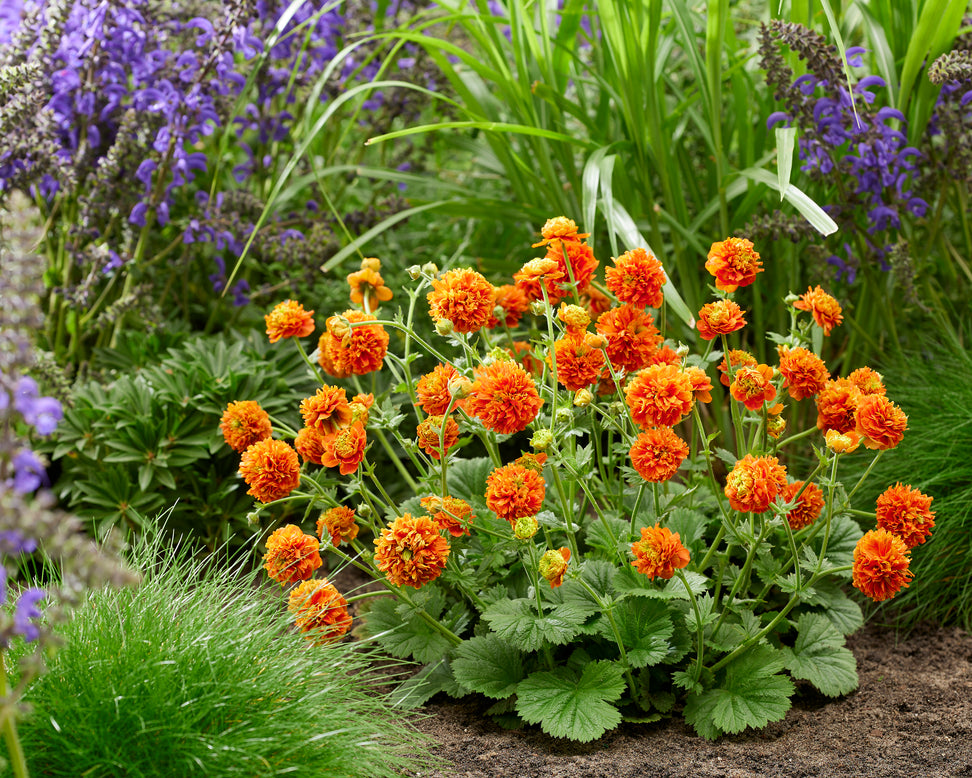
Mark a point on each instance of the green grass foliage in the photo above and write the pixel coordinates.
(197, 672)
(933, 385)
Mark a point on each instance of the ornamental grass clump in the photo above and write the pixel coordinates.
(577, 539)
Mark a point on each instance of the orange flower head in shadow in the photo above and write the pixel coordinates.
(428, 433)
(734, 263)
(594, 300)
(310, 445)
(637, 278)
(463, 297)
(906, 512)
(327, 411)
(659, 396)
(659, 553)
(842, 443)
(737, 359)
(808, 507)
(657, 453)
(837, 406)
(522, 353)
(339, 523)
(289, 320)
(514, 303)
(514, 491)
(532, 461)
(666, 355)
(560, 228)
(538, 275)
(244, 423)
(719, 318)
(320, 611)
(503, 397)
(579, 361)
(346, 350)
(775, 423)
(553, 565)
(368, 288)
(824, 308)
(701, 384)
(752, 386)
(754, 482)
(433, 390)
(451, 514)
(575, 259)
(291, 555)
(271, 469)
(880, 422)
(804, 373)
(868, 381)
(632, 337)
(410, 551)
(881, 565)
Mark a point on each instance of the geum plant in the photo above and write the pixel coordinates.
(628, 562)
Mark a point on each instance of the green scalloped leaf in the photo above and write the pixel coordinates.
(518, 623)
(488, 665)
(644, 627)
(819, 656)
(571, 705)
(405, 636)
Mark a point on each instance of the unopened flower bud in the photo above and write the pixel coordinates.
(526, 527)
(596, 340)
(843, 444)
(339, 327)
(564, 416)
(538, 308)
(371, 263)
(616, 408)
(791, 298)
(583, 398)
(363, 510)
(682, 351)
(414, 272)
(499, 354)
(359, 412)
(541, 439)
(444, 327)
(253, 517)
(499, 313)
(430, 268)
(459, 387)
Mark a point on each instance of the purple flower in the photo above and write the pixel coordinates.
(25, 610)
(29, 473)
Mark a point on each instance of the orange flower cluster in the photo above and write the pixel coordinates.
(906, 512)
(320, 611)
(737, 359)
(503, 397)
(868, 381)
(367, 286)
(560, 228)
(659, 553)
(845, 407)
(824, 308)
(553, 565)
(244, 423)
(345, 449)
(754, 482)
(514, 303)
(881, 562)
(632, 338)
(837, 406)
(636, 278)
(659, 396)
(429, 431)
(291, 555)
(539, 275)
(339, 523)
(804, 373)
(410, 551)
(433, 390)
(701, 384)
(719, 318)
(657, 453)
(344, 350)
(451, 514)
(289, 320)
(752, 386)
(514, 491)
(327, 411)
(580, 361)
(734, 263)
(463, 297)
(568, 259)
(271, 469)
(808, 507)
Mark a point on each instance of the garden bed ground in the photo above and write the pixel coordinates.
(911, 716)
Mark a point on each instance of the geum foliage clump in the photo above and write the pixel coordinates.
(608, 558)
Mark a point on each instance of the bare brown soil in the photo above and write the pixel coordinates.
(911, 716)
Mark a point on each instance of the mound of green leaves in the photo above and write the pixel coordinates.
(198, 672)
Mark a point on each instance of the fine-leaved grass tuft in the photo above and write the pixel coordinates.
(198, 672)
(933, 385)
